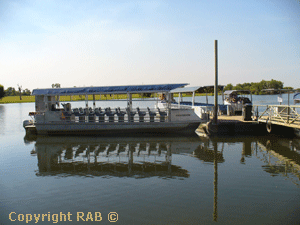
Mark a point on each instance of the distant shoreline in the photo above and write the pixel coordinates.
(28, 99)
(31, 98)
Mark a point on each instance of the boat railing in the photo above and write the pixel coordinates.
(99, 115)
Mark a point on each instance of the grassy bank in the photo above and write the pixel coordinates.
(16, 99)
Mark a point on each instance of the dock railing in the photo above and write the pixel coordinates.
(286, 115)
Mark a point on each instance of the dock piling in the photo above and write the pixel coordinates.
(215, 119)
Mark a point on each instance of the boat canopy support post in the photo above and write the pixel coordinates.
(223, 97)
(129, 101)
(169, 105)
(179, 99)
(86, 101)
(193, 99)
(94, 102)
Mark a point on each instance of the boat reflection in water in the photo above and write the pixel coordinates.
(127, 157)
(121, 157)
(152, 157)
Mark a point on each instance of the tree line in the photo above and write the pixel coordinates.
(259, 87)
(255, 88)
(11, 91)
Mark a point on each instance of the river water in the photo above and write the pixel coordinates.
(146, 180)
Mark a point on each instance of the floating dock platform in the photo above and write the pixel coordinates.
(231, 125)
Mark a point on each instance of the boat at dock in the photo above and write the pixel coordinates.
(235, 100)
(203, 109)
(51, 117)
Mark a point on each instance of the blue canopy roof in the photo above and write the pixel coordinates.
(108, 89)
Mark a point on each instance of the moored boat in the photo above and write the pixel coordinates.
(235, 100)
(55, 118)
(203, 109)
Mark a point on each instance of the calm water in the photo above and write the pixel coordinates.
(146, 180)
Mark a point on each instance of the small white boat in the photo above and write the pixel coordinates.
(235, 100)
(203, 110)
(53, 118)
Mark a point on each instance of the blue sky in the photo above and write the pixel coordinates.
(100, 43)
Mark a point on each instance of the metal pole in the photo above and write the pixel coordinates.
(215, 120)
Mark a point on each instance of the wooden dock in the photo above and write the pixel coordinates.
(280, 119)
(231, 125)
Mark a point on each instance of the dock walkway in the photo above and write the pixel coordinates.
(231, 125)
(264, 119)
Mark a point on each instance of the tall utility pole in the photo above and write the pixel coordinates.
(215, 119)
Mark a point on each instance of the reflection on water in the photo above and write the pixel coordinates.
(2, 119)
(224, 180)
(128, 157)
(281, 157)
(152, 157)
(122, 157)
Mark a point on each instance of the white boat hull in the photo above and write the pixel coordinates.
(74, 128)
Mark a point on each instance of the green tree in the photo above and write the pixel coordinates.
(26, 92)
(228, 87)
(10, 91)
(257, 87)
(56, 85)
(2, 93)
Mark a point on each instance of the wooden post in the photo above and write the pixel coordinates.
(215, 119)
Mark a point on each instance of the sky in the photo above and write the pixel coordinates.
(106, 43)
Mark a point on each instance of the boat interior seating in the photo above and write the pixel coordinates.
(141, 114)
(151, 114)
(116, 115)
(162, 115)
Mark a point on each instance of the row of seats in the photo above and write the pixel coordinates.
(81, 113)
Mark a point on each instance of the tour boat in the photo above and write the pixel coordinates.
(51, 117)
